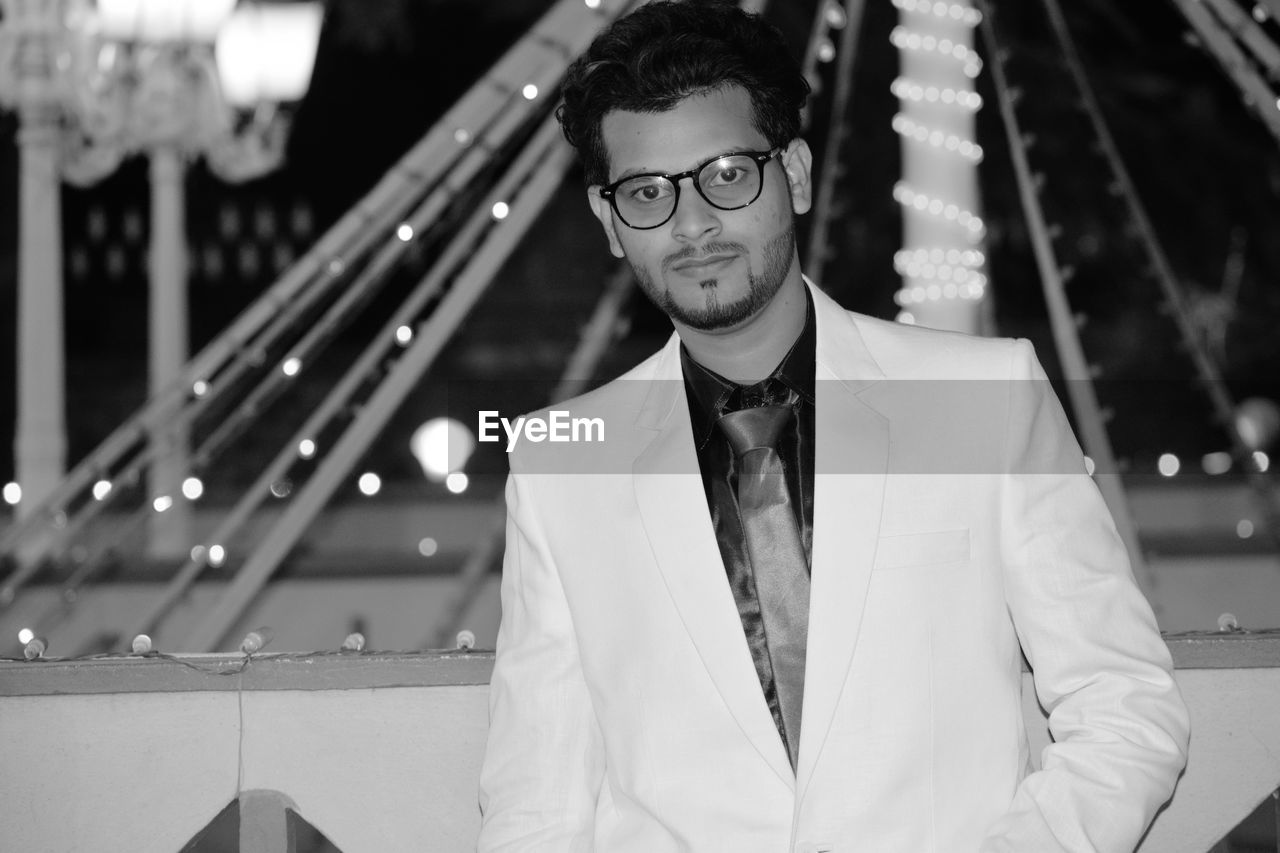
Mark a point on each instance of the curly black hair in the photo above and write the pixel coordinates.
(665, 51)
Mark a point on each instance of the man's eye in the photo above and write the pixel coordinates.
(726, 175)
(647, 192)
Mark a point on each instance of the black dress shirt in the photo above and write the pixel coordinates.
(711, 395)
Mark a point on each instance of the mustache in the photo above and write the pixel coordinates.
(689, 253)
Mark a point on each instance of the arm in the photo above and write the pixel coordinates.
(545, 760)
(1100, 666)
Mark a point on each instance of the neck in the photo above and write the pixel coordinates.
(750, 352)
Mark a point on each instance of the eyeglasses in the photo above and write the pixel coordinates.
(727, 182)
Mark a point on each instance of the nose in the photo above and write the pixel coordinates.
(693, 218)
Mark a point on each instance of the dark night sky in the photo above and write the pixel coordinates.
(1207, 169)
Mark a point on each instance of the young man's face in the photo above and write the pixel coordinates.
(708, 269)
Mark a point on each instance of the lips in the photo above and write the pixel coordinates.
(700, 265)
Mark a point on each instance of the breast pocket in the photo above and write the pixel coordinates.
(922, 549)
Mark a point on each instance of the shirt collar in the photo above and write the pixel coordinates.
(710, 394)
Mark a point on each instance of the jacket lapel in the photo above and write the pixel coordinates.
(673, 509)
(851, 456)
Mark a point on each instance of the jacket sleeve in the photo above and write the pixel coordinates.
(544, 762)
(1100, 666)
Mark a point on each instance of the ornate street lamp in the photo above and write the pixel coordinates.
(174, 80)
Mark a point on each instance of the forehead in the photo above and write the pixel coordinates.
(699, 127)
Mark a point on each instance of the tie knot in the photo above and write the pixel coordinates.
(752, 429)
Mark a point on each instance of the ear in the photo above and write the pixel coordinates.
(604, 212)
(797, 161)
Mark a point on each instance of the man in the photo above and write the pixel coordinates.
(781, 607)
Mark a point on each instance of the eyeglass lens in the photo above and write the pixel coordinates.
(728, 183)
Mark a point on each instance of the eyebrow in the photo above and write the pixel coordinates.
(636, 172)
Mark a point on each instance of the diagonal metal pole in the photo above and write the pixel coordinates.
(1075, 368)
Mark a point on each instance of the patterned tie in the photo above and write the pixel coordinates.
(776, 552)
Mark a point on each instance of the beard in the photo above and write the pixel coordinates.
(714, 314)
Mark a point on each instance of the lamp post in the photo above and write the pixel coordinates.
(174, 80)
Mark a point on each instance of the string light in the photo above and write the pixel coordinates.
(1218, 462)
(101, 489)
(529, 91)
(905, 39)
(141, 644)
(12, 493)
(216, 555)
(192, 488)
(369, 483)
(592, 4)
(25, 635)
(946, 141)
(1089, 466)
(291, 366)
(1261, 459)
(306, 448)
(1168, 464)
(200, 388)
(908, 197)
(462, 136)
(908, 90)
(500, 210)
(427, 546)
(456, 482)
(336, 267)
(162, 503)
(404, 334)
(405, 232)
(966, 15)
(1244, 528)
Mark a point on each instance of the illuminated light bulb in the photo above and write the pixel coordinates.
(1244, 528)
(101, 489)
(592, 4)
(291, 366)
(200, 388)
(369, 483)
(428, 546)
(917, 293)
(26, 635)
(1218, 462)
(197, 553)
(1261, 459)
(462, 136)
(162, 503)
(835, 16)
(192, 488)
(500, 210)
(1089, 467)
(216, 555)
(529, 91)
(1168, 464)
(404, 334)
(826, 50)
(1259, 14)
(336, 267)
(466, 640)
(282, 487)
(141, 644)
(354, 642)
(306, 448)
(12, 493)
(456, 482)
(405, 232)
(906, 317)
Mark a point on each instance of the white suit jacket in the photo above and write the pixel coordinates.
(953, 524)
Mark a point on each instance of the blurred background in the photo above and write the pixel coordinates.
(398, 552)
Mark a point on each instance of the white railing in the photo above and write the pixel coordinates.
(381, 752)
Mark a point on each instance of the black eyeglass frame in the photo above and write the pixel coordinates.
(760, 157)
